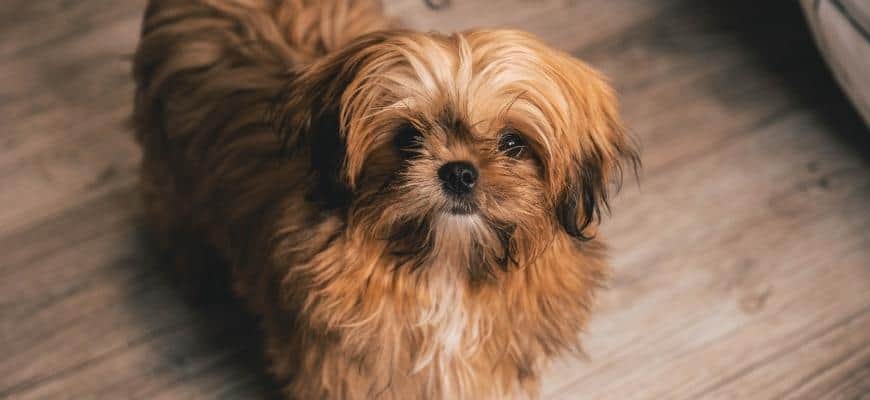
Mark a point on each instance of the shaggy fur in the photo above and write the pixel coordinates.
(298, 143)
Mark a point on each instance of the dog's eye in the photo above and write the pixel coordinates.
(512, 144)
(408, 140)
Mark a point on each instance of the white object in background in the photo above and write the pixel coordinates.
(842, 32)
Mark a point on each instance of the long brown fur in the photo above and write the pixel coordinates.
(269, 129)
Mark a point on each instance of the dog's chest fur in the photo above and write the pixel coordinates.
(404, 334)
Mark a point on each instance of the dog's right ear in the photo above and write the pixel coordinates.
(602, 149)
(307, 113)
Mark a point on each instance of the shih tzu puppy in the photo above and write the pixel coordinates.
(411, 215)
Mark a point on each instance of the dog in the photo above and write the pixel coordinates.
(411, 215)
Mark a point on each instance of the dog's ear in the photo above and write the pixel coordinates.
(306, 115)
(597, 164)
(586, 193)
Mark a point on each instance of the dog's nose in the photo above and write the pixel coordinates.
(458, 177)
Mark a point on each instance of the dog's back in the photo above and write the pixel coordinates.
(212, 48)
(207, 72)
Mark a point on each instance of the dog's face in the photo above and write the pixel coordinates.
(476, 148)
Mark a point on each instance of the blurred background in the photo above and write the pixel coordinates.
(742, 255)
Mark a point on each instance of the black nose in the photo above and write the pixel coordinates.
(458, 177)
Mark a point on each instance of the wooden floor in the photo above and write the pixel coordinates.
(742, 257)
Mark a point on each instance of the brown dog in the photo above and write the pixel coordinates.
(410, 214)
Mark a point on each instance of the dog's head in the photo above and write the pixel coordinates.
(479, 146)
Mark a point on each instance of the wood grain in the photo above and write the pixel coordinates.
(742, 257)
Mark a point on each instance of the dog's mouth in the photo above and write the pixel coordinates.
(460, 206)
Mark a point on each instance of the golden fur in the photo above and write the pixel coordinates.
(269, 132)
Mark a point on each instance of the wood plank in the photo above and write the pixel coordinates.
(65, 109)
(27, 26)
(741, 259)
(712, 265)
(815, 369)
(95, 316)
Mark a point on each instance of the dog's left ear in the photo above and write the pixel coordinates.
(306, 115)
(605, 149)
